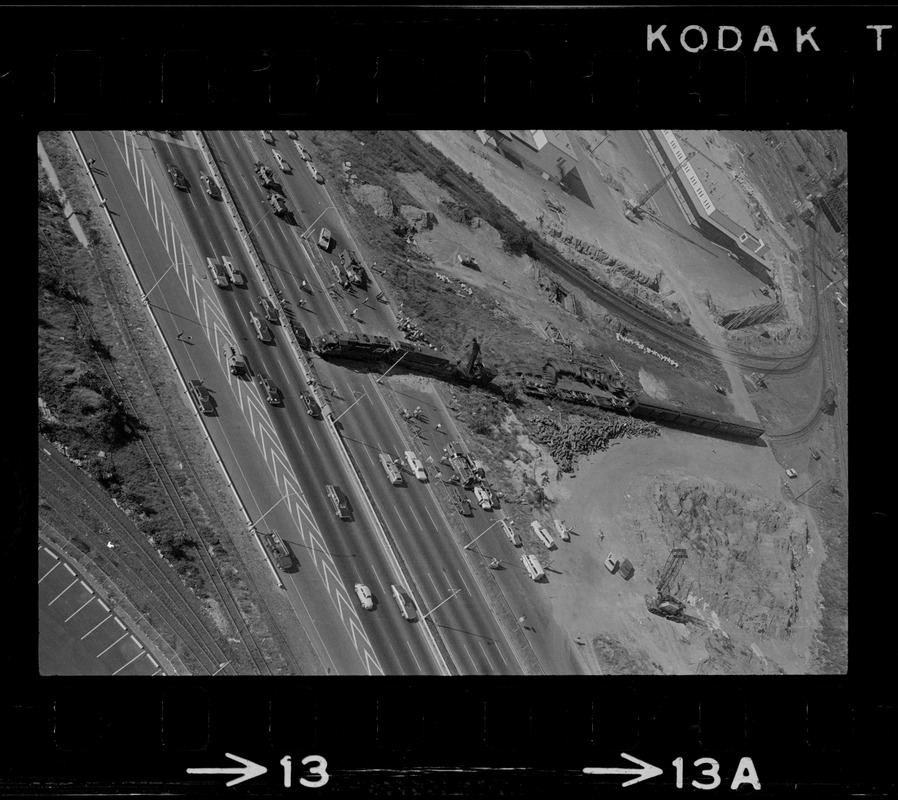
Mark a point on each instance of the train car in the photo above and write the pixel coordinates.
(417, 361)
(660, 411)
(361, 346)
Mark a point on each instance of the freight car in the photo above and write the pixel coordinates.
(379, 349)
(660, 411)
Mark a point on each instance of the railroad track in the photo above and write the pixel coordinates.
(547, 255)
(203, 560)
(134, 565)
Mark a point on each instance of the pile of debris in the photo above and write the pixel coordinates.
(411, 330)
(569, 436)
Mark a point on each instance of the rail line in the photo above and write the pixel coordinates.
(203, 559)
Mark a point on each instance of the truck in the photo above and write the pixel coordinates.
(236, 276)
(543, 535)
(282, 554)
(237, 363)
(533, 567)
(354, 271)
(463, 470)
(266, 177)
(278, 203)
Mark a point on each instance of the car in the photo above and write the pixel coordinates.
(311, 406)
(201, 396)
(177, 178)
(364, 595)
(291, 134)
(815, 454)
(282, 162)
(303, 153)
(269, 309)
(325, 240)
(483, 499)
(338, 501)
(462, 503)
(405, 607)
(268, 137)
(315, 173)
(272, 395)
(611, 563)
(415, 465)
(278, 204)
(262, 330)
(238, 278)
(219, 276)
(211, 186)
(791, 473)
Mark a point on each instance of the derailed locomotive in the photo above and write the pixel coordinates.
(380, 349)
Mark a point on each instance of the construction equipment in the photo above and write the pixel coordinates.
(664, 604)
(632, 209)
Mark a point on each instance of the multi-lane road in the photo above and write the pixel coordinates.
(278, 457)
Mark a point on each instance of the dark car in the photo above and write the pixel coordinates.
(201, 396)
(211, 186)
(311, 406)
(272, 395)
(269, 310)
(177, 178)
(462, 503)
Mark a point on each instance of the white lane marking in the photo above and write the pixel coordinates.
(469, 655)
(382, 586)
(315, 438)
(123, 636)
(296, 437)
(435, 587)
(435, 526)
(106, 619)
(411, 650)
(499, 651)
(400, 518)
(89, 600)
(488, 659)
(50, 570)
(417, 521)
(462, 577)
(139, 655)
(63, 591)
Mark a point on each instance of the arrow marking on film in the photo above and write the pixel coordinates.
(645, 770)
(249, 770)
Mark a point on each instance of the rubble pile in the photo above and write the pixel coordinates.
(569, 436)
(411, 330)
(745, 317)
(376, 197)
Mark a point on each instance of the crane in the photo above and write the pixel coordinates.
(632, 208)
(664, 604)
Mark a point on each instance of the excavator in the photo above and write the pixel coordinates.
(663, 603)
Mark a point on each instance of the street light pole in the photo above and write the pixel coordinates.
(146, 294)
(363, 394)
(221, 667)
(425, 616)
(468, 545)
(258, 223)
(329, 208)
(252, 525)
(381, 378)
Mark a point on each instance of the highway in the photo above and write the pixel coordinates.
(279, 458)
(411, 513)
(269, 452)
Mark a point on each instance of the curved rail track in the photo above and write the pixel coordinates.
(251, 655)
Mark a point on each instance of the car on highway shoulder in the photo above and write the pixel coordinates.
(304, 154)
(315, 173)
(177, 178)
(201, 396)
(211, 186)
(364, 595)
(405, 607)
(483, 499)
(325, 240)
(219, 276)
(262, 330)
(268, 137)
(282, 162)
(462, 503)
(311, 406)
(415, 465)
(272, 395)
(291, 134)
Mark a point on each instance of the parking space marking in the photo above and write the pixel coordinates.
(106, 619)
(123, 636)
(89, 600)
(64, 590)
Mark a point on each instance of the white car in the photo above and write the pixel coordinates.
(268, 136)
(282, 162)
(238, 278)
(483, 498)
(611, 563)
(303, 153)
(315, 173)
(219, 276)
(324, 239)
(415, 465)
(791, 473)
(291, 134)
(364, 595)
(262, 330)
(405, 608)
